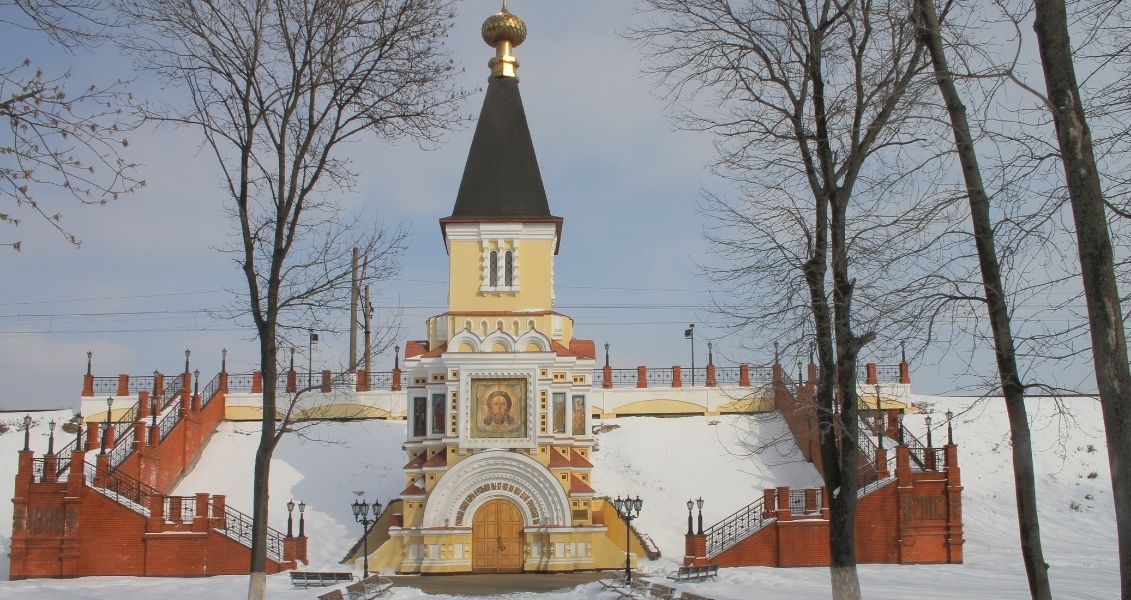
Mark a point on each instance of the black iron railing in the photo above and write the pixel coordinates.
(658, 377)
(210, 391)
(141, 383)
(240, 382)
(380, 380)
(187, 511)
(171, 418)
(38, 470)
(105, 386)
(172, 391)
(65, 458)
(124, 446)
(737, 527)
(887, 373)
(929, 459)
(237, 526)
(124, 489)
(695, 377)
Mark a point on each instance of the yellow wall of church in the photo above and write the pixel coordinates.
(466, 270)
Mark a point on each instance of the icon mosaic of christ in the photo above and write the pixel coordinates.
(499, 408)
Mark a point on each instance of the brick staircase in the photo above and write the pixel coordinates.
(100, 506)
(909, 507)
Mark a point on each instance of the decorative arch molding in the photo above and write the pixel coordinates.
(497, 474)
(533, 336)
(466, 336)
(501, 337)
(660, 406)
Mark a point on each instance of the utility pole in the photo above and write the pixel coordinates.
(354, 294)
(368, 331)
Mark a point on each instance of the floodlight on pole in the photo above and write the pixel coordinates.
(689, 333)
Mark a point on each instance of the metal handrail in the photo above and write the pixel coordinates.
(238, 526)
(65, 457)
(123, 487)
(141, 383)
(105, 386)
(173, 390)
(124, 446)
(187, 512)
(380, 380)
(659, 377)
(210, 390)
(738, 526)
(171, 418)
(887, 373)
(240, 382)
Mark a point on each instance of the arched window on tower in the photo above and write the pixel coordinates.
(493, 270)
(508, 275)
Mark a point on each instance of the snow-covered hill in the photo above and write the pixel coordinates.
(667, 461)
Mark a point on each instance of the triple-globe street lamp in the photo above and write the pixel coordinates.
(361, 515)
(625, 508)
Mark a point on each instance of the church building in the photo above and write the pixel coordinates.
(499, 443)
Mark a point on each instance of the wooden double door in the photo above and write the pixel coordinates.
(496, 538)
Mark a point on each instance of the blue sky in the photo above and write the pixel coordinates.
(625, 181)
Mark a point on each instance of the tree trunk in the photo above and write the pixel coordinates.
(1105, 315)
(261, 479)
(1025, 490)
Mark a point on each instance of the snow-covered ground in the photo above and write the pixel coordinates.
(666, 461)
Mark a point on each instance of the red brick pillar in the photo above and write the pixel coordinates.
(186, 387)
(300, 549)
(76, 478)
(159, 385)
(641, 377)
(744, 375)
(88, 385)
(140, 430)
(695, 546)
(607, 377)
(143, 406)
(882, 463)
(123, 385)
(200, 517)
(954, 528)
(810, 500)
(362, 380)
(812, 379)
(903, 466)
(396, 380)
(769, 503)
(677, 376)
(292, 381)
(50, 466)
(92, 440)
(257, 382)
(783, 512)
(825, 501)
(101, 470)
(21, 502)
(108, 437)
(156, 522)
(893, 422)
(325, 381)
(219, 502)
(870, 371)
(223, 382)
(289, 550)
(711, 381)
(904, 373)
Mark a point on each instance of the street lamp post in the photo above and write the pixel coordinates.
(290, 518)
(361, 515)
(106, 429)
(949, 428)
(930, 444)
(690, 505)
(689, 333)
(27, 433)
(626, 508)
(301, 519)
(313, 339)
(699, 503)
(51, 438)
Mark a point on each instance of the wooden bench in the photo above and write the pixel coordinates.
(662, 592)
(318, 579)
(695, 573)
(371, 587)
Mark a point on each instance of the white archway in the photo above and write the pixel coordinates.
(497, 474)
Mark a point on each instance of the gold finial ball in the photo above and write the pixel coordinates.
(504, 26)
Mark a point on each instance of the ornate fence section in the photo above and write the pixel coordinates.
(658, 377)
(172, 390)
(105, 386)
(171, 418)
(210, 391)
(380, 380)
(237, 526)
(124, 489)
(180, 509)
(736, 527)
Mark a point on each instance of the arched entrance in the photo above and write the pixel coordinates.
(496, 538)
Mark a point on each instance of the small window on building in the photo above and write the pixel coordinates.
(493, 270)
(508, 275)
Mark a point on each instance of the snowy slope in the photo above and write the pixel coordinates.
(666, 461)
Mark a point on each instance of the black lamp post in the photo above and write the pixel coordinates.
(606, 354)
(929, 443)
(690, 505)
(196, 382)
(187, 353)
(881, 430)
(625, 508)
(78, 430)
(689, 333)
(27, 433)
(51, 438)
(361, 515)
(106, 429)
(301, 519)
(699, 503)
(949, 428)
(290, 518)
(223, 360)
(313, 339)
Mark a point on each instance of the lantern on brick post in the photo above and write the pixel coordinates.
(699, 503)
(106, 429)
(301, 519)
(949, 428)
(187, 353)
(930, 444)
(690, 505)
(27, 433)
(290, 518)
(51, 438)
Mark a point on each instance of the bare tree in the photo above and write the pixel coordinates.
(1097, 259)
(996, 305)
(275, 87)
(60, 142)
(803, 97)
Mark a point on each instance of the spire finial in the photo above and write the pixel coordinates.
(504, 32)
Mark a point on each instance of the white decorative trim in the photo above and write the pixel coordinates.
(533, 336)
(495, 474)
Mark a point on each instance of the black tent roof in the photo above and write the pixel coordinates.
(501, 178)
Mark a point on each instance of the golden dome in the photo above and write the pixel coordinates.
(504, 26)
